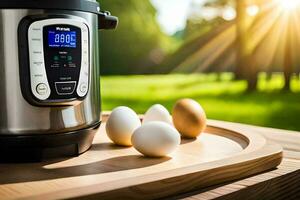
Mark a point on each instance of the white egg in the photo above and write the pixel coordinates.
(121, 124)
(156, 139)
(157, 112)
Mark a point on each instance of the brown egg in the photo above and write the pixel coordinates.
(189, 118)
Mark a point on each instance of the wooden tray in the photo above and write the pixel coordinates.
(111, 172)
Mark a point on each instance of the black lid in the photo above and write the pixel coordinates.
(76, 5)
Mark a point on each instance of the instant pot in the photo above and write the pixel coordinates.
(49, 76)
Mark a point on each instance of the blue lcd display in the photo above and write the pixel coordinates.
(65, 39)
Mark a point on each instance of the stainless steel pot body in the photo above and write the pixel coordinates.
(17, 116)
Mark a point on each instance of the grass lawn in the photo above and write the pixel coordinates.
(221, 97)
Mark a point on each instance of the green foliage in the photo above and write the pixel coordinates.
(199, 27)
(221, 96)
(137, 44)
(197, 35)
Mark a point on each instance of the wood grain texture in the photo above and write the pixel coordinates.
(280, 183)
(289, 140)
(110, 172)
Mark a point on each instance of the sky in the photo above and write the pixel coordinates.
(172, 14)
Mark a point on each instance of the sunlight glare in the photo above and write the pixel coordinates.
(289, 5)
(229, 14)
(252, 10)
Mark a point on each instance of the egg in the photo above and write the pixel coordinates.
(189, 118)
(121, 124)
(156, 139)
(157, 112)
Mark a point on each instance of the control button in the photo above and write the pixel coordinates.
(38, 75)
(37, 52)
(63, 57)
(69, 58)
(38, 63)
(55, 65)
(85, 57)
(36, 29)
(83, 87)
(65, 88)
(56, 58)
(35, 33)
(73, 65)
(41, 89)
(36, 55)
(36, 39)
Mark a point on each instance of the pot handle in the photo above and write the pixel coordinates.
(107, 21)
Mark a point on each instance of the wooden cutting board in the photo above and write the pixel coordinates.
(107, 171)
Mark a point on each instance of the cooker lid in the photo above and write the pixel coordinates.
(77, 5)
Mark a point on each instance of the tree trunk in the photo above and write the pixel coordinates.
(268, 76)
(252, 80)
(245, 66)
(287, 65)
(287, 73)
(242, 37)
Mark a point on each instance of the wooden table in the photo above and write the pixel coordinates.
(281, 183)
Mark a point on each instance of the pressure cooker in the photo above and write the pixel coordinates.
(49, 77)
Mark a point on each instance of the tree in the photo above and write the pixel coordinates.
(287, 60)
(245, 67)
(137, 43)
(242, 39)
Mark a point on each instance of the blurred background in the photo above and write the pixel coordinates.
(238, 58)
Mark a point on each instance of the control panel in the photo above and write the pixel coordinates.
(58, 54)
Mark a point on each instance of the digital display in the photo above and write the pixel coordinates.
(65, 39)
